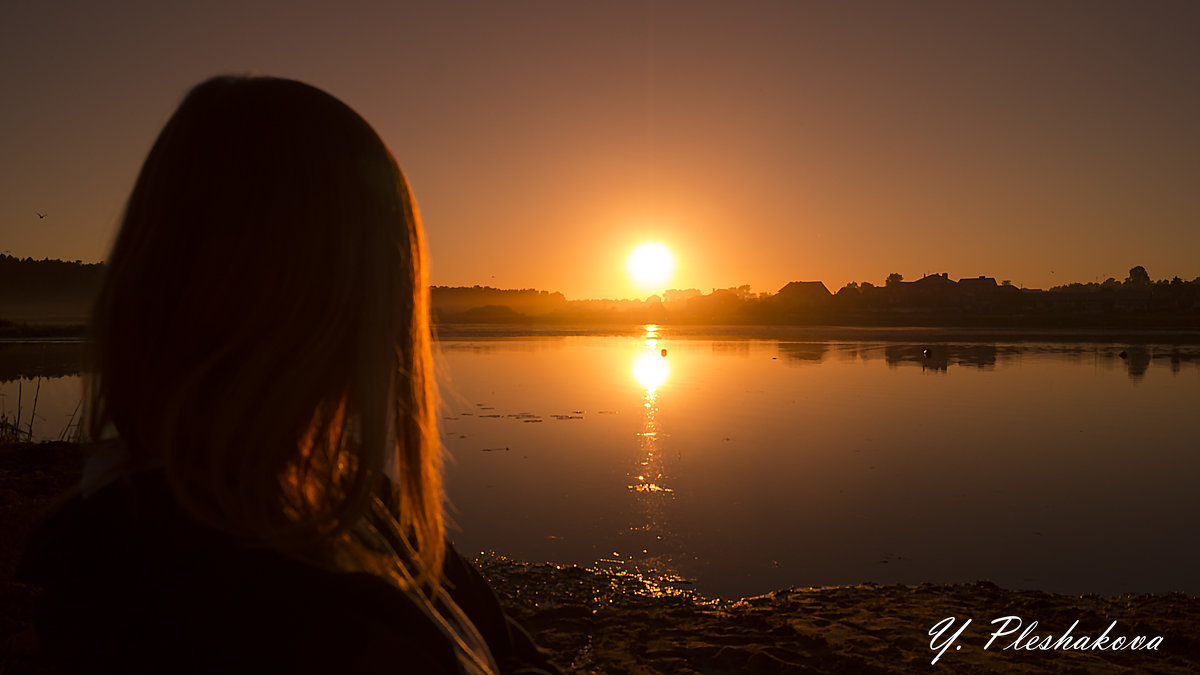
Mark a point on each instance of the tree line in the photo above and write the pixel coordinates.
(64, 290)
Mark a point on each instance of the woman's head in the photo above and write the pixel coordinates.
(262, 333)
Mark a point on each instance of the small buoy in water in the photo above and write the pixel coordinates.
(927, 353)
(1124, 354)
(664, 353)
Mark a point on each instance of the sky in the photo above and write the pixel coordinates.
(762, 142)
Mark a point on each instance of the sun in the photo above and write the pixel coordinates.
(650, 265)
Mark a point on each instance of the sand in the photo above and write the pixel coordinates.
(605, 621)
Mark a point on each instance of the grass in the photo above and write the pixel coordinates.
(13, 428)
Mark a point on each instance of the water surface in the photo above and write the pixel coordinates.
(749, 465)
(797, 459)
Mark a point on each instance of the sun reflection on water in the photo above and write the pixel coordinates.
(648, 479)
(651, 371)
(650, 367)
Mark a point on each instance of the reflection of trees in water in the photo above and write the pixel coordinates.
(39, 359)
(1075, 356)
(803, 352)
(1176, 361)
(731, 347)
(1137, 360)
(935, 358)
(940, 357)
(850, 352)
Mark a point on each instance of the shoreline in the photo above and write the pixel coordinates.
(890, 334)
(600, 621)
(597, 621)
(798, 333)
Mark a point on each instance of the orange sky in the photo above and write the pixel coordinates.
(763, 142)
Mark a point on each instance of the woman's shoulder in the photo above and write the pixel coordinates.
(131, 584)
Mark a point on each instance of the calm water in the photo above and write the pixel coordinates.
(749, 465)
(752, 465)
(39, 386)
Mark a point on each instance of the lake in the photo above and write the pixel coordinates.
(747, 465)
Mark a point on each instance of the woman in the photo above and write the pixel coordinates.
(267, 492)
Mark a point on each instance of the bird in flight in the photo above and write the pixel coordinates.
(40, 215)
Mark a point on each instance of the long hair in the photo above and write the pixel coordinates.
(262, 334)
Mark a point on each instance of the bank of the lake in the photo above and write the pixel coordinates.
(1132, 332)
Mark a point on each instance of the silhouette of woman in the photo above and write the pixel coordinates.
(266, 494)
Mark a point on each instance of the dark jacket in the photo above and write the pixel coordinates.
(132, 585)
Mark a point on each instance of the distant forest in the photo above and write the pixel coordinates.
(933, 300)
(47, 291)
(58, 292)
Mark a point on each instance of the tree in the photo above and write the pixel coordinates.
(849, 290)
(894, 278)
(1138, 277)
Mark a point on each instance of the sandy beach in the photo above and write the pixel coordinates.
(606, 621)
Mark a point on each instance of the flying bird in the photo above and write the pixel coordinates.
(40, 215)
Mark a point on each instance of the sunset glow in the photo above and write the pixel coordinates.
(764, 144)
(651, 265)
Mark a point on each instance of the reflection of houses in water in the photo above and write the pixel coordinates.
(1137, 360)
(803, 352)
(935, 357)
(939, 358)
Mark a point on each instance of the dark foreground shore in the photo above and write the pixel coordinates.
(597, 621)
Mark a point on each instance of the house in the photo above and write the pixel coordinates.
(804, 293)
